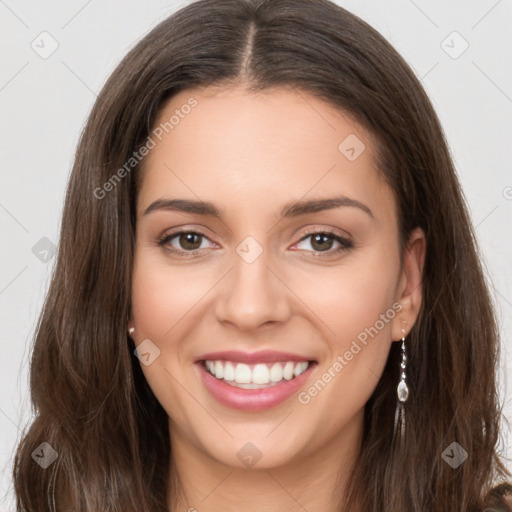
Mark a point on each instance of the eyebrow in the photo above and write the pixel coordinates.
(289, 210)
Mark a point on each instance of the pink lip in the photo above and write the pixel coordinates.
(263, 356)
(252, 399)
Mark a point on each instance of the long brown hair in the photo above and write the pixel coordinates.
(93, 405)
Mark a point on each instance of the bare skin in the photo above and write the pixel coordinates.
(250, 154)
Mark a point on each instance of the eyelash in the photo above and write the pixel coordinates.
(344, 242)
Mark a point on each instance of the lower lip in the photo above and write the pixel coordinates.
(252, 399)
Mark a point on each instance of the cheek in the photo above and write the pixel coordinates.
(163, 300)
(350, 298)
(355, 306)
(164, 296)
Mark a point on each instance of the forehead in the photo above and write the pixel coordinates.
(278, 119)
(253, 148)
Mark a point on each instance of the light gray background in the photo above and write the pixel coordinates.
(45, 102)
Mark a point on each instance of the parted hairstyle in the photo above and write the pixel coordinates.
(91, 401)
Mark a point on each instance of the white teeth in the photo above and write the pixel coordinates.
(300, 368)
(255, 376)
(229, 371)
(242, 373)
(288, 371)
(219, 369)
(276, 372)
(261, 374)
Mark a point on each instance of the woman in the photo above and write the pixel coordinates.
(262, 203)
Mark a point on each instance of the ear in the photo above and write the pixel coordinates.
(409, 288)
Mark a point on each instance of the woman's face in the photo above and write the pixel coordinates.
(267, 245)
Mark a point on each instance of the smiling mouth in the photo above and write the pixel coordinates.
(255, 376)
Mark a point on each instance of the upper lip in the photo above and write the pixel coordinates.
(263, 356)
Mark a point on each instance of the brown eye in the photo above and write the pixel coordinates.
(321, 243)
(183, 242)
(189, 241)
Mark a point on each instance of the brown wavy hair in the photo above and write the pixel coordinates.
(92, 403)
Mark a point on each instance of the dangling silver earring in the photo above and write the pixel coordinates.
(402, 392)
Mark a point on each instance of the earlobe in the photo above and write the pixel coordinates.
(409, 291)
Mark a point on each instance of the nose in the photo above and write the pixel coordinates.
(253, 294)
